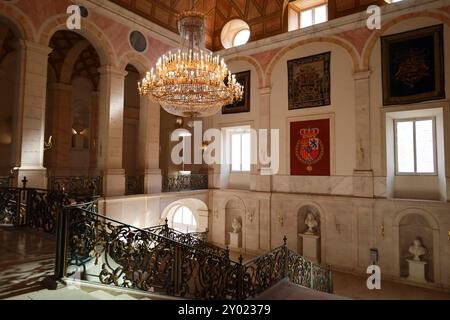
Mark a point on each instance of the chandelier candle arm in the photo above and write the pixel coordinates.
(189, 82)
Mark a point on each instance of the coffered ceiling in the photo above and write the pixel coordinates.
(265, 17)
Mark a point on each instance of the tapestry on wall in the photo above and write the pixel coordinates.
(310, 147)
(309, 81)
(243, 105)
(413, 66)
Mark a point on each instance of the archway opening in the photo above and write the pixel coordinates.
(130, 142)
(184, 220)
(9, 102)
(72, 106)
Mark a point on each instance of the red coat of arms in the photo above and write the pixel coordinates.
(309, 149)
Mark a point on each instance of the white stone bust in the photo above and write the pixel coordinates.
(417, 250)
(311, 223)
(236, 225)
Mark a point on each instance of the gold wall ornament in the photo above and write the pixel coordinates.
(251, 214)
(191, 81)
(48, 144)
(382, 230)
(280, 218)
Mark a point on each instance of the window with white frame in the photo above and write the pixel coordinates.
(240, 148)
(415, 146)
(315, 15)
(183, 220)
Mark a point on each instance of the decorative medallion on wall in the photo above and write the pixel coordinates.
(310, 147)
(309, 81)
(84, 12)
(138, 41)
(413, 66)
(243, 105)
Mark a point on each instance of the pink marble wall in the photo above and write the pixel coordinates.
(264, 58)
(357, 37)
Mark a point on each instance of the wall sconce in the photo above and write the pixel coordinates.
(382, 230)
(48, 144)
(449, 234)
(251, 214)
(179, 121)
(205, 145)
(280, 219)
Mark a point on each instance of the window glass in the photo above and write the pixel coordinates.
(241, 38)
(320, 14)
(424, 146)
(405, 147)
(306, 18)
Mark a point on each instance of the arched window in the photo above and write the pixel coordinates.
(235, 33)
(183, 220)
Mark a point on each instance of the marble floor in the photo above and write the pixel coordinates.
(354, 287)
(26, 259)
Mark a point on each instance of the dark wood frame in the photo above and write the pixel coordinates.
(439, 93)
(243, 78)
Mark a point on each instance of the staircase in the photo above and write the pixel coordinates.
(111, 260)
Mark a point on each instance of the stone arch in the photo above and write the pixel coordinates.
(424, 221)
(334, 40)
(88, 30)
(322, 223)
(71, 59)
(17, 20)
(199, 210)
(372, 41)
(254, 63)
(140, 62)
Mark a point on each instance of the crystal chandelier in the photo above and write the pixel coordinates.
(191, 81)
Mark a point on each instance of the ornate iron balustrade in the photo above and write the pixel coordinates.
(77, 186)
(34, 208)
(159, 260)
(135, 185)
(5, 181)
(174, 183)
(193, 239)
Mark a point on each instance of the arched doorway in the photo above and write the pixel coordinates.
(131, 136)
(72, 106)
(9, 102)
(184, 220)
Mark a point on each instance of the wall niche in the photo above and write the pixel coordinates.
(415, 226)
(308, 233)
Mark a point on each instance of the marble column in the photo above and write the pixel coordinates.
(363, 174)
(258, 181)
(149, 141)
(111, 130)
(58, 125)
(33, 59)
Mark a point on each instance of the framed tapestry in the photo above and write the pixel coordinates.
(413, 66)
(310, 148)
(243, 105)
(309, 81)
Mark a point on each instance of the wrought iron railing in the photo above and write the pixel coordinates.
(77, 186)
(174, 183)
(34, 208)
(134, 185)
(5, 181)
(159, 260)
(193, 239)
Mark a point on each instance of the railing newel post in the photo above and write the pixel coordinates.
(286, 258)
(62, 234)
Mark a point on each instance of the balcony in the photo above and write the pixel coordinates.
(175, 183)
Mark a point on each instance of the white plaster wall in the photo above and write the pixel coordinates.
(416, 187)
(342, 107)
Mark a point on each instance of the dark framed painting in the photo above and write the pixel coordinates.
(310, 148)
(243, 105)
(309, 81)
(413, 66)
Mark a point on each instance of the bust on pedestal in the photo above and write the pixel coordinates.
(417, 266)
(235, 235)
(311, 239)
